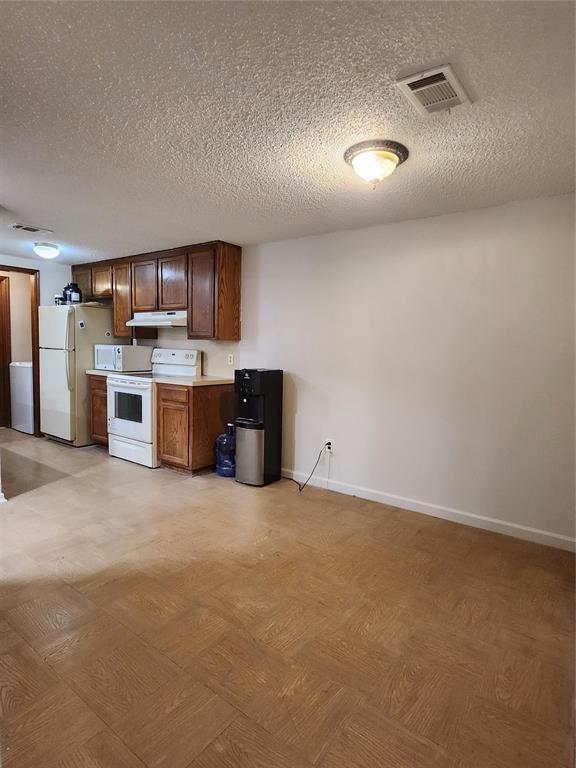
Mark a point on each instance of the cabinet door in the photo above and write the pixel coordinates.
(173, 426)
(83, 277)
(98, 410)
(102, 280)
(144, 297)
(201, 265)
(121, 299)
(228, 275)
(173, 282)
(212, 408)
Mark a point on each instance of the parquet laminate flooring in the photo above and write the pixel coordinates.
(173, 725)
(150, 619)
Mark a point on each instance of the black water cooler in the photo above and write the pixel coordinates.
(258, 425)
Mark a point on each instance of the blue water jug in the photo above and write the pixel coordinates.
(226, 452)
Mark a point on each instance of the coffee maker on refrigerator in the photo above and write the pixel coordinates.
(258, 425)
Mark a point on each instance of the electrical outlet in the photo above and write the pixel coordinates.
(329, 445)
(230, 359)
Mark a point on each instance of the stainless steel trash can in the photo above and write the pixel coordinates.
(249, 451)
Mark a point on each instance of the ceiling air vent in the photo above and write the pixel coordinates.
(433, 90)
(28, 228)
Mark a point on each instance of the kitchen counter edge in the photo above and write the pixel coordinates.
(183, 381)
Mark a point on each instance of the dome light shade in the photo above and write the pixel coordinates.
(374, 160)
(374, 165)
(46, 250)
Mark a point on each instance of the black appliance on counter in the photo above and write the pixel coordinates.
(258, 425)
(71, 294)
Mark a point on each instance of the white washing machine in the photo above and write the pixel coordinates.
(21, 397)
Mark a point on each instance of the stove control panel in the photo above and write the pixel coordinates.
(176, 356)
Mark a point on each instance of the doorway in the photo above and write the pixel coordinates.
(6, 346)
(5, 351)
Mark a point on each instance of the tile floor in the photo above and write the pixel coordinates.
(155, 619)
(21, 474)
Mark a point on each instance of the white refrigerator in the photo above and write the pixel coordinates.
(67, 336)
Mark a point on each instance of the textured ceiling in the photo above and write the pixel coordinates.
(131, 126)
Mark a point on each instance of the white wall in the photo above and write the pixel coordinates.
(20, 316)
(53, 276)
(437, 354)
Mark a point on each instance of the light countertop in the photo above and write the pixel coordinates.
(183, 381)
(94, 372)
(189, 381)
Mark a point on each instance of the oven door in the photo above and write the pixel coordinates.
(130, 409)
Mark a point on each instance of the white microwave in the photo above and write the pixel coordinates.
(122, 357)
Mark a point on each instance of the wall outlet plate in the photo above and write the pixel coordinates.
(230, 359)
(329, 448)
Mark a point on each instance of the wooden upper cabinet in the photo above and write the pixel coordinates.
(144, 293)
(102, 280)
(201, 301)
(204, 279)
(214, 292)
(228, 286)
(94, 280)
(173, 282)
(121, 298)
(82, 276)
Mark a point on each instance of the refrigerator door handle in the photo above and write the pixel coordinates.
(68, 372)
(67, 341)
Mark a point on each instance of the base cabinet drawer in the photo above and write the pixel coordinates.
(98, 410)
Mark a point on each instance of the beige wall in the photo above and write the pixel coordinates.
(20, 327)
(437, 354)
(53, 275)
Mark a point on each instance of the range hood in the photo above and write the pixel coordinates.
(158, 319)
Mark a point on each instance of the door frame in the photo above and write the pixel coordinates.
(34, 303)
(5, 348)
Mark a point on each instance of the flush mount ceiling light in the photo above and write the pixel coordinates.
(376, 159)
(46, 250)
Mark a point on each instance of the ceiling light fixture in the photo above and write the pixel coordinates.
(46, 250)
(376, 159)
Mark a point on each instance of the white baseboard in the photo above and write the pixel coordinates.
(446, 513)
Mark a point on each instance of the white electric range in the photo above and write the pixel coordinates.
(132, 404)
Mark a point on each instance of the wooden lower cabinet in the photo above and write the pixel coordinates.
(98, 410)
(173, 425)
(189, 421)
